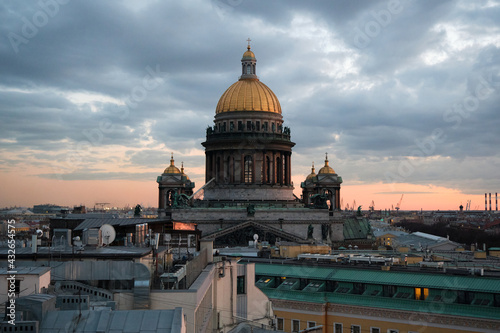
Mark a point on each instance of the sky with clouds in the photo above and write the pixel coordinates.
(403, 95)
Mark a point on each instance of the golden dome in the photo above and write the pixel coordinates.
(248, 54)
(172, 168)
(326, 168)
(248, 95)
(312, 174)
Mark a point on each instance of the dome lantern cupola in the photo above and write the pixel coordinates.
(172, 168)
(326, 168)
(248, 64)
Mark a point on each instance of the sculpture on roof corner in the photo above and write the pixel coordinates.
(359, 213)
(137, 211)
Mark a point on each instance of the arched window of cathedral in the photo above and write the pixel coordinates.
(249, 69)
(279, 171)
(218, 173)
(248, 169)
(268, 169)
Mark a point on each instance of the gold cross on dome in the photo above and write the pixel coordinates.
(249, 40)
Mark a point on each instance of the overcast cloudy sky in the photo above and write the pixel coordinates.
(403, 95)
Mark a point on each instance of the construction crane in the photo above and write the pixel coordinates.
(102, 204)
(372, 206)
(398, 206)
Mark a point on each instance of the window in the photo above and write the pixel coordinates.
(295, 325)
(421, 293)
(392, 331)
(280, 324)
(389, 291)
(249, 69)
(257, 125)
(17, 286)
(337, 328)
(249, 125)
(240, 285)
(266, 126)
(248, 169)
(355, 329)
(240, 125)
(231, 126)
(374, 330)
(311, 324)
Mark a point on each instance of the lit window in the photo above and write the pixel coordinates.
(248, 169)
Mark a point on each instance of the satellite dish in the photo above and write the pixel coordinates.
(108, 234)
(39, 233)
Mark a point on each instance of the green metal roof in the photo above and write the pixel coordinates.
(356, 228)
(384, 302)
(410, 279)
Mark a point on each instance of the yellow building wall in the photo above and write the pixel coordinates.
(480, 255)
(292, 251)
(495, 253)
(318, 318)
(365, 323)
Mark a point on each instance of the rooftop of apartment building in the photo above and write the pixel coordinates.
(389, 287)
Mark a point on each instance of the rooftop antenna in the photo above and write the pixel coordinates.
(108, 234)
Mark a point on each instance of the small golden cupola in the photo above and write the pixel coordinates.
(182, 171)
(312, 174)
(172, 169)
(326, 169)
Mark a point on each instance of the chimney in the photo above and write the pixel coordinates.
(490, 201)
(496, 200)
(486, 201)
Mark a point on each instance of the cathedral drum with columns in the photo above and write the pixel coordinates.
(248, 187)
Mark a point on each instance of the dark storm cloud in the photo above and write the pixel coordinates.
(369, 97)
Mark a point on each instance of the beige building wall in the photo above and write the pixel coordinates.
(28, 284)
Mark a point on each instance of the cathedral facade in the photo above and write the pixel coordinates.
(248, 175)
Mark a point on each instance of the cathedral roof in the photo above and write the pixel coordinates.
(248, 94)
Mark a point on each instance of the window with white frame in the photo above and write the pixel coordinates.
(311, 324)
(295, 325)
(337, 328)
(280, 324)
(392, 331)
(355, 329)
(374, 330)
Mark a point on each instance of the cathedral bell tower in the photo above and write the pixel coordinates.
(248, 151)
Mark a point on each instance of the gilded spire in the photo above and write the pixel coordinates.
(312, 169)
(182, 167)
(172, 159)
(326, 159)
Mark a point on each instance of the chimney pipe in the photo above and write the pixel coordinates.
(490, 201)
(496, 200)
(486, 201)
